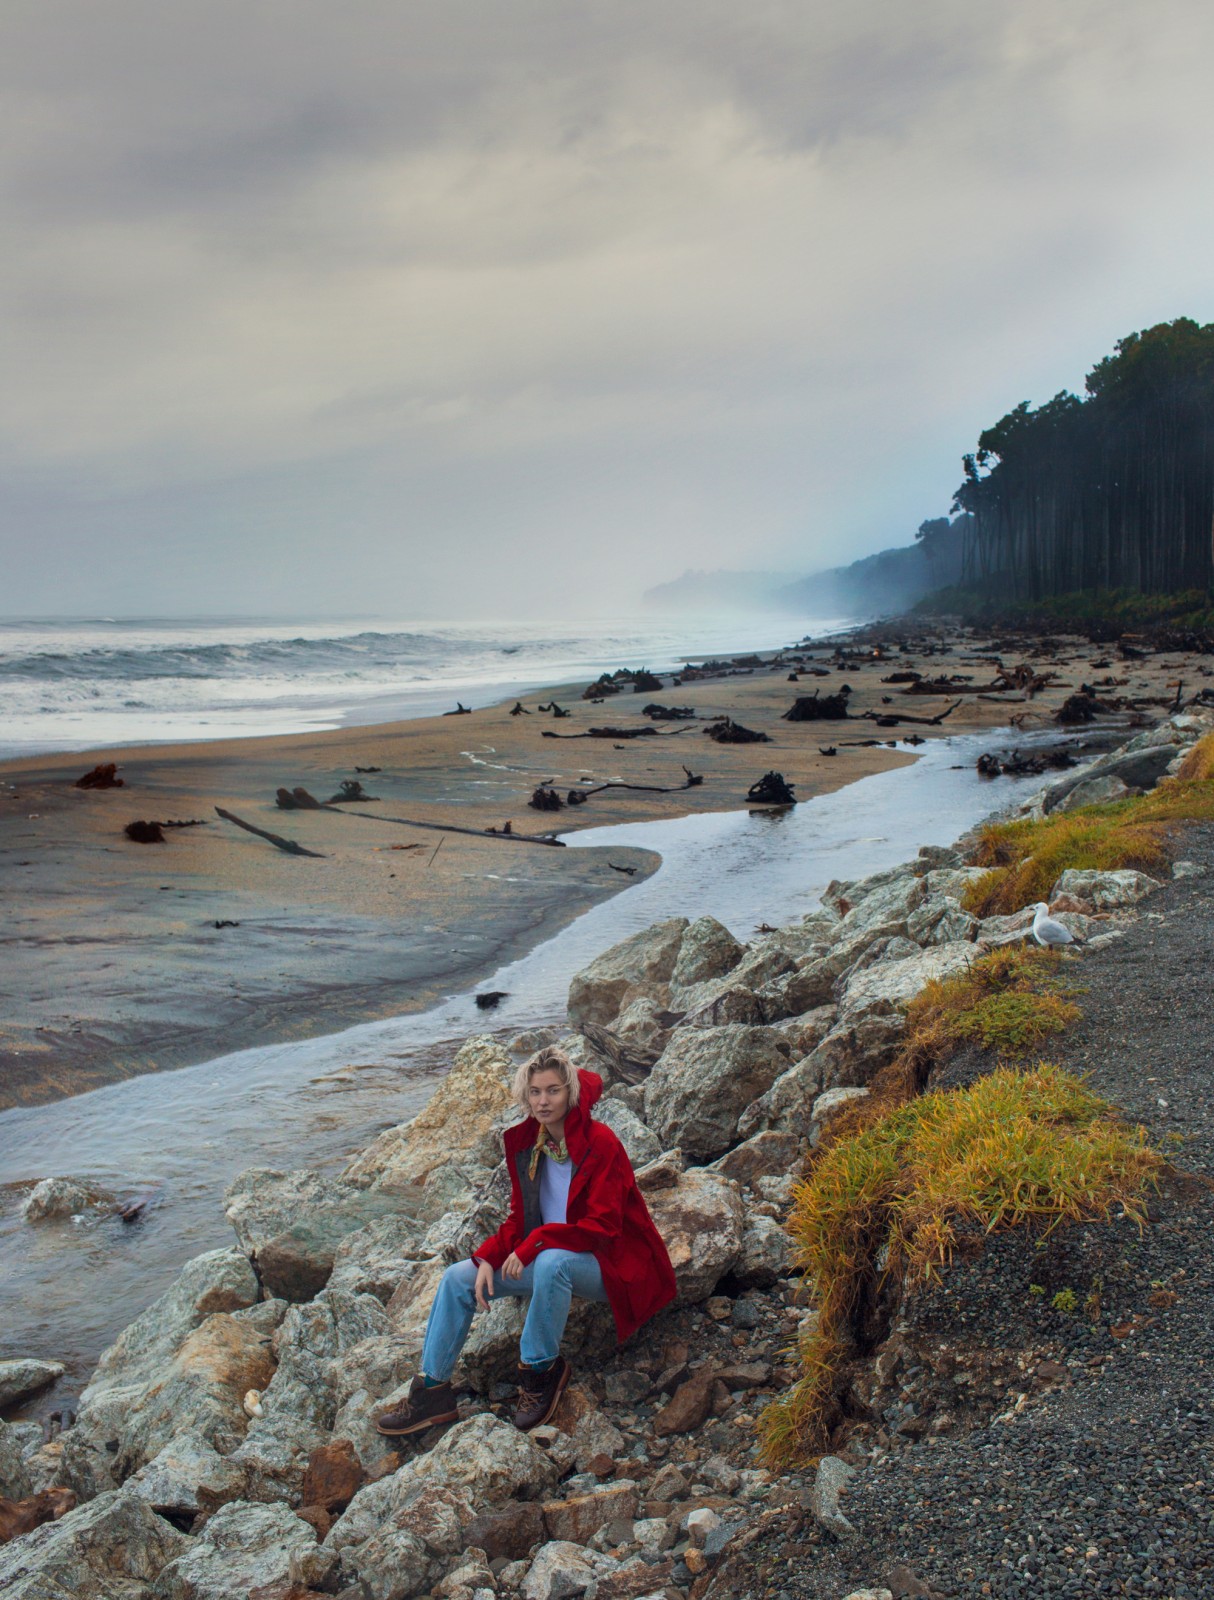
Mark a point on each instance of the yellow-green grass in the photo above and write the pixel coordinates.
(1027, 857)
(1009, 1001)
(1013, 1149)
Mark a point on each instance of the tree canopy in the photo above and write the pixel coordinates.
(1114, 490)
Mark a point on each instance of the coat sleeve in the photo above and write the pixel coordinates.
(499, 1245)
(601, 1223)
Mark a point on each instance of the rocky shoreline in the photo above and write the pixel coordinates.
(224, 1445)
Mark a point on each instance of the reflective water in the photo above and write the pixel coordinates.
(69, 1287)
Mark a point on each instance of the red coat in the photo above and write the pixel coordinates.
(606, 1214)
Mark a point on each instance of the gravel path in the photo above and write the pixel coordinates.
(1104, 1485)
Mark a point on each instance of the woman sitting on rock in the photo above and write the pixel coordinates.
(578, 1225)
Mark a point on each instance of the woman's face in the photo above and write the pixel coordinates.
(548, 1097)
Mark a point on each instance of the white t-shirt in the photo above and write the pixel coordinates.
(554, 1188)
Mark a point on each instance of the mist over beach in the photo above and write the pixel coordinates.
(606, 668)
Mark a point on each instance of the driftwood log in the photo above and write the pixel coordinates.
(818, 707)
(290, 846)
(772, 790)
(890, 720)
(104, 776)
(450, 827)
(726, 731)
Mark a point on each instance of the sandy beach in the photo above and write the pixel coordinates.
(123, 958)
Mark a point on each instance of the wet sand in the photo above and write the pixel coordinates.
(114, 962)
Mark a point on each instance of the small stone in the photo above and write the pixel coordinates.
(719, 1307)
(689, 1406)
(601, 1465)
(695, 1561)
(576, 1518)
(745, 1314)
(23, 1377)
(508, 1531)
(700, 1524)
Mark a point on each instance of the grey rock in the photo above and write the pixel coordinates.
(1106, 891)
(373, 1259)
(243, 1547)
(641, 965)
(562, 1570)
(290, 1224)
(708, 950)
(939, 920)
(15, 1482)
(734, 1004)
(700, 1217)
(766, 1254)
(765, 1154)
(64, 1197)
(25, 1376)
(703, 1082)
(186, 1477)
(1096, 792)
(110, 1549)
(643, 1026)
(830, 1482)
(1137, 769)
(884, 990)
(642, 1145)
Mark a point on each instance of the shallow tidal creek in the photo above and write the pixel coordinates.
(69, 1287)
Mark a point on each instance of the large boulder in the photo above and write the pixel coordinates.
(397, 1534)
(1104, 891)
(290, 1224)
(884, 910)
(642, 1145)
(641, 965)
(850, 1055)
(700, 1217)
(708, 950)
(1137, 769)
(705, 1079)
(434, 1162)
(842, 896)
(220, 1281)
(200, 1391)
(242, 1549)
(15, 1481)
(24, 1375)
(111, 1549)
(374, 1259)
(186, 1477)
(764, 1155)
(941, 920)
(562, 1570)
(886, 988)
(64, 1197)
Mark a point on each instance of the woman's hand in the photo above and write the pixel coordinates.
(512, 1267)
(484, 1284)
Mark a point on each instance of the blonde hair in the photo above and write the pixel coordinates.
(550, 1059)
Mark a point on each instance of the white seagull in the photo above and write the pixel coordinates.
(1049, 933)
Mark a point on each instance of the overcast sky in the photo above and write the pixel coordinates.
(484, 306)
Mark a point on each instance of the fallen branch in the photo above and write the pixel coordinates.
(694, 780)
(616, 733)
(888, 720)
(276, 839)
(446, 827)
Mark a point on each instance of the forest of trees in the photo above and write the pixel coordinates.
(1111, 491)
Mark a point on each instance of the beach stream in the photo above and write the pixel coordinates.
(180, 1137)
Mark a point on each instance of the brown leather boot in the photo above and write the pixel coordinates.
(538, 1393)
(424, 1408)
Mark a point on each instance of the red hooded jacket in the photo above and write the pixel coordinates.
(606, 1214)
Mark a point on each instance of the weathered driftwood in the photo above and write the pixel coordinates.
(297, 799)
(449, 827)
(772, 790)
(545, 799)
(726, 731)
(144, 833)
(657, 713)
(461, 710)
(890, 720)
(350, 792)
(818, 707)
(290, 846)
(693, 781)
(616, 733)
(103, 776)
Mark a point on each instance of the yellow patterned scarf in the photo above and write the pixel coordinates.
(545, 1147)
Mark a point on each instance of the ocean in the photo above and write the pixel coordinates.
(84, 684)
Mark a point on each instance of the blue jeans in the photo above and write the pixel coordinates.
(551, 1280)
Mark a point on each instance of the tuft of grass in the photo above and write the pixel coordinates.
(1013, 1149)
(1027, 857)
(1010, 1000)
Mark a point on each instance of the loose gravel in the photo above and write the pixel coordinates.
(1105, 1485)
